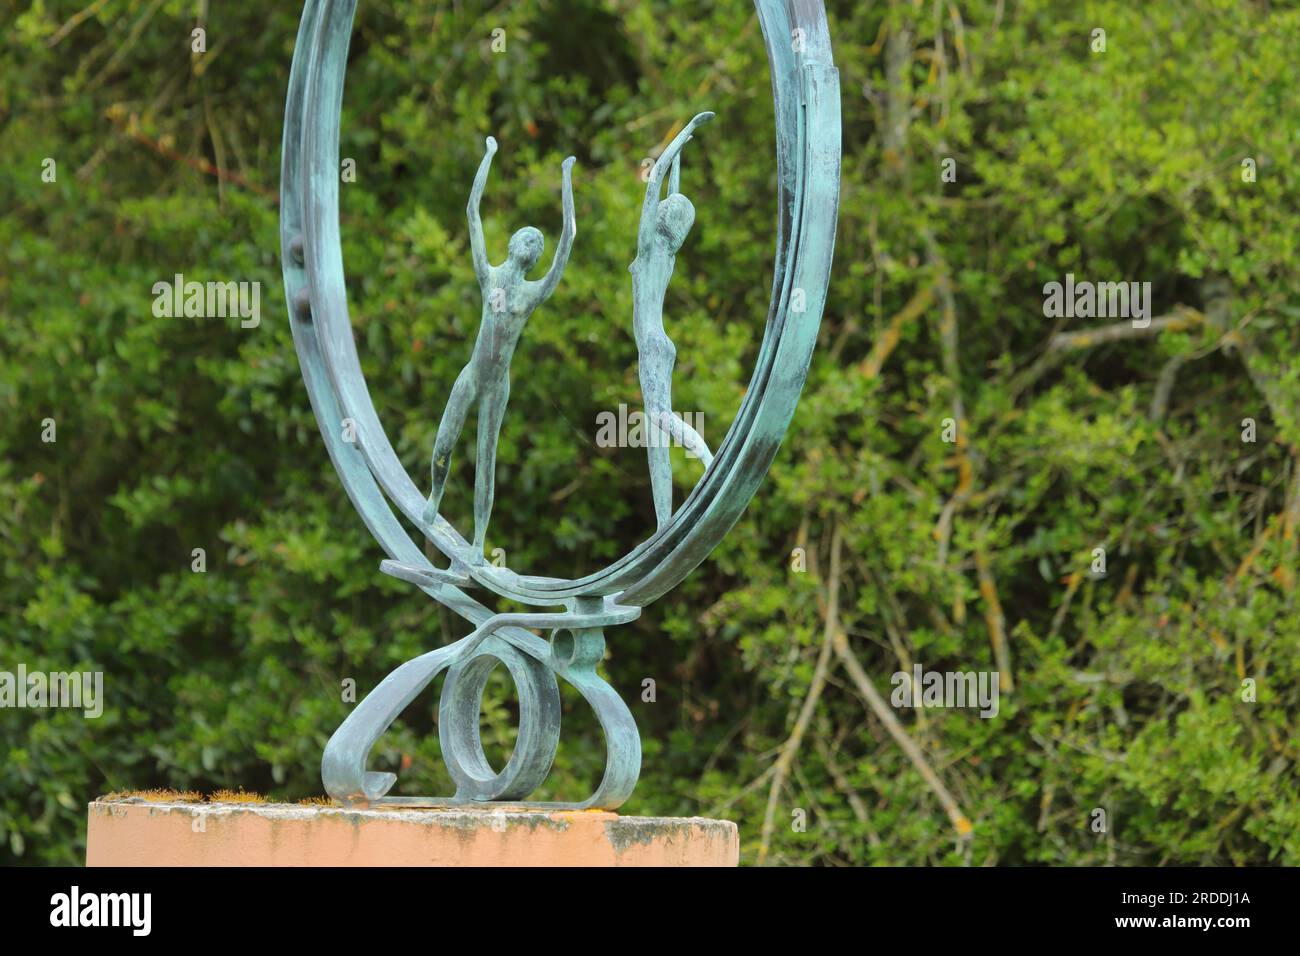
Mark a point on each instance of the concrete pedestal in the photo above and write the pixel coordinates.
(133, 832)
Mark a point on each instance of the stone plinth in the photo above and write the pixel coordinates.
(133, 832)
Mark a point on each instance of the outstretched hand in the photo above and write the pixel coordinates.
(567, 234)
(670, 154)
(668, 160)
(478, 246)
(699, 119)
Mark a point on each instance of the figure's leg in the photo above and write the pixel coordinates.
(491, 412)
(686, 436)
(462, 397)
(656, 372)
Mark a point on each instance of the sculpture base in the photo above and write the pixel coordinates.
(134, 832)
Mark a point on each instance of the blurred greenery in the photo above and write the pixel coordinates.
(180, 433)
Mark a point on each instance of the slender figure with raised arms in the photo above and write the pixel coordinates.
(664, 227)
(509, 299)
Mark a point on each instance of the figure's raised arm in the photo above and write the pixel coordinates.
(567, 234)
(656, 180)
(476, 242)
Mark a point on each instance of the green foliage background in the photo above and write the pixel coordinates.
(175, 434)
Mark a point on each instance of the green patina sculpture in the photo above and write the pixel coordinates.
(509, 299)
(664, 227)
(574, 613)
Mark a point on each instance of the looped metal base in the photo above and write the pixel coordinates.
(576, 647)
(458, 724)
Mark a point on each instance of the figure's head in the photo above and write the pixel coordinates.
(676, 216)
(526, 247)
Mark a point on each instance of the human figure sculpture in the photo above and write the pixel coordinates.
(509, 299)
(555, 629)
(664, 226)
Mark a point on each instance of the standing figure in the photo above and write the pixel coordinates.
(664, 227)
(509, 298)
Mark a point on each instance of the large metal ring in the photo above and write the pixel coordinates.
(806, 95)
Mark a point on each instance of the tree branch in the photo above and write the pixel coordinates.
(959, 820)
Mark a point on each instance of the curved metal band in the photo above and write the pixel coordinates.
(353, 472)
(806, 92)
(533, 665)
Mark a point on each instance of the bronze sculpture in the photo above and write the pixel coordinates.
(509, 299)
(664, 227)
(575, 612)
